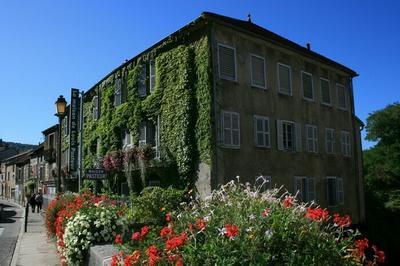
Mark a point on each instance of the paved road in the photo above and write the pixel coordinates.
(10, 225)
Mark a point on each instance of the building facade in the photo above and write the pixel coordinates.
(222, 98)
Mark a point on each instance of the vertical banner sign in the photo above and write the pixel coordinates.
(73, 133)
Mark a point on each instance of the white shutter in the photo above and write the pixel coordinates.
(255, 130)
(279, 133)
(266, 133)
(310, 189)
(298, 136)
(339, 189)
(297, 186)
(227, 62)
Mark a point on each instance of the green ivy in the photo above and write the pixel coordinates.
(182, 98)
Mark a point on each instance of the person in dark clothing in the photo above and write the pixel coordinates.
(39, 201)
(32, 201)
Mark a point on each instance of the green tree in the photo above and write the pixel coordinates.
(382, 180)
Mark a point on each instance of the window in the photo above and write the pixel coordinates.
(147, 133)
(152, 75)
(289, 135)
(345, 141)
(263, 182)
(126, 139)
(261, 131)
(341, 94)
(330, 140)
(95, 103)
(284, 78)
(312, 138)
(305, 188)
(230, 129)
(117, 92)
(334, 191)
(142, 91)
(227, 62)
(307, 85)
(257, 71)
(325, 91)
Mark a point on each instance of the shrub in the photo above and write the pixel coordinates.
(241, 226)
(153, 203)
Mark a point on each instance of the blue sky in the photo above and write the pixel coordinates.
(48, 47)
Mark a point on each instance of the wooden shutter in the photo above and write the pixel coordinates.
(257, 71)
(227, 62)
(310, 189)
(298, 136)
(279, 133)
(339, 189)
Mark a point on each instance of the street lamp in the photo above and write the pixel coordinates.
(61, 105)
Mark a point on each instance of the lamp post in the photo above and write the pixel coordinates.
(61, 105)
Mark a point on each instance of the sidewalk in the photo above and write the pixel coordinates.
(33, 247)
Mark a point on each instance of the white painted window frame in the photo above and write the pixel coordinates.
(339, 191)
(345, 96)
(266, 134)
(329, 89)
(312, 86)
(345, 143)
(314, 138)
(290, 79)
(332, 142)
(229, 145)
(219, 62)
(251, 72)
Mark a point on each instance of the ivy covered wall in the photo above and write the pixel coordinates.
(181, 99)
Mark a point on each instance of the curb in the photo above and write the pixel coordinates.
(21, 233)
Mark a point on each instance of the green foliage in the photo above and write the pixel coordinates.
(153, 203)
(182, 100)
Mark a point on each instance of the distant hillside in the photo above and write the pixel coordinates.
(19, 146)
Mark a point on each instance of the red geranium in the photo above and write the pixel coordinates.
(144, 231)
(288, 202)
(231, 231)
(176, 242)
(379, 254)
(166, 232)
(317, 214)
(265, 212)
(168, 217)
(341, 221)
(118, 239)
(153, 254)
(135, 236)
(360, 246)
(201, 224)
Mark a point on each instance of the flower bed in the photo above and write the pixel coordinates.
(241, 226)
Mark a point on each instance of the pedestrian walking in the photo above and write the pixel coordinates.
(32, 201)
(39, 201)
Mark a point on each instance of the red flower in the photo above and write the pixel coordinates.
(201, 224)
(153, 254)
(288, 202)
(176, 242)
(144, 231)
(360, 246)
(379, 254)
(265, 212)
(341, 221)
(231, 231)
(166, 232)
(317, 214)
(118, 239)
(135, 236)
(114, 260)
(168, 217)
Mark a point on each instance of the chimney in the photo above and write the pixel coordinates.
(249, 18)
(308, 46)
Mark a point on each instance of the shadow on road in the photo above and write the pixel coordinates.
(6, 215)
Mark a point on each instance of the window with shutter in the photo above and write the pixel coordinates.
(329, 140)
(258, 71)
(117, 92)
(261, 131)
(152, 75)
(312, 138)
(304, 188)
(345, 143)
(227, 62)
(310, 189)
(331, 192)
(340, 192)
(288, 136)
(325, 91)
(142, 134)
(95, 103)
(230, 129)
(284, 78)
(142, 90)
(307, 85)
(341, 94)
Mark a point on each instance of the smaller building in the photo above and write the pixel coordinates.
(50, 160)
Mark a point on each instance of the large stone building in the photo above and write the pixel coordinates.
(223, 97)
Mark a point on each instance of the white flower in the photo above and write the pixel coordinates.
(207, 218)
(249, 229)
(221, 231)
(252, 217)
(268, 234)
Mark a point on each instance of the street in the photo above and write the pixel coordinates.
(10, 225)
